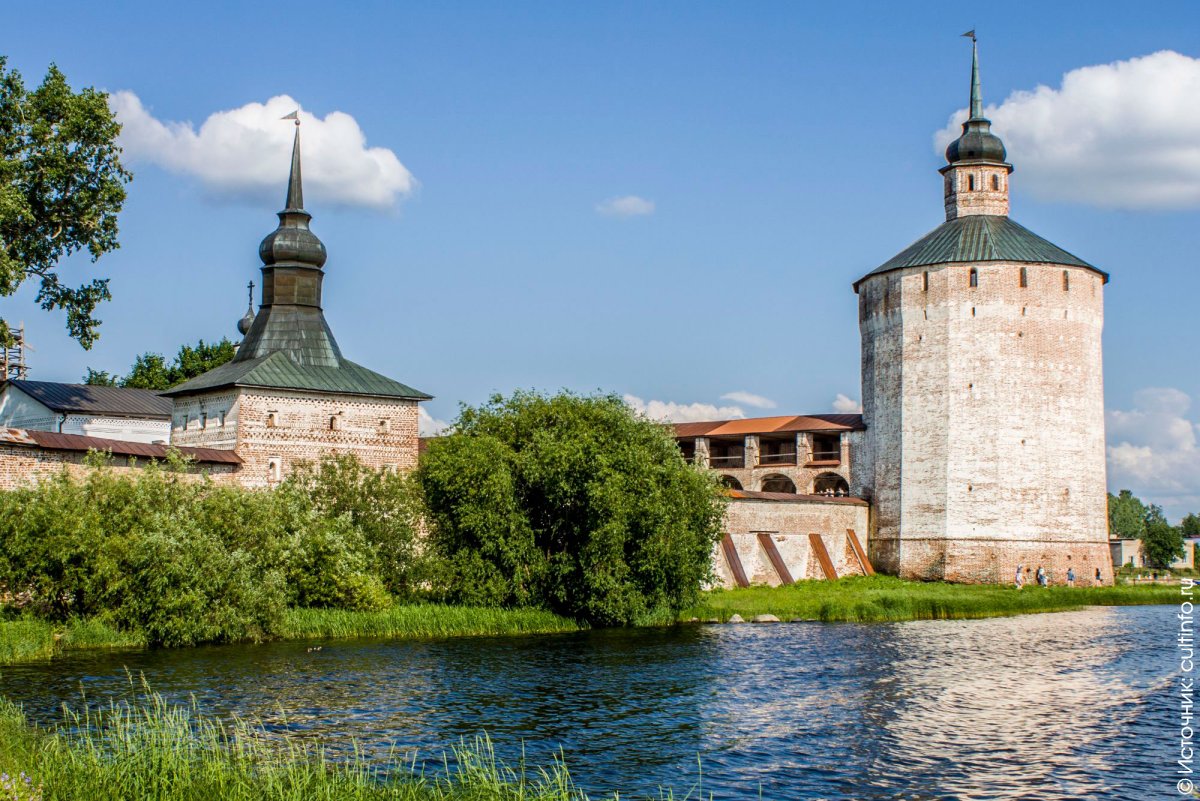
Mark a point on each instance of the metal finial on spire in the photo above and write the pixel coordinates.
(295, 192)
(976, 94)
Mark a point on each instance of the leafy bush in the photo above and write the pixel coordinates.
(382, 507)
(568, 502)
(180, 560)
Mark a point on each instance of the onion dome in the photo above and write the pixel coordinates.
(292, 243)
(247, 320)
(977, 142)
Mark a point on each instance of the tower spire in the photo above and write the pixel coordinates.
(295, 192)
(976, 94)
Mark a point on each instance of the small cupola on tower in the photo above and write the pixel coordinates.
(976, 177)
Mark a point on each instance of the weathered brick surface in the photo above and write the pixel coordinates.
(985, 420)
(22, 466)
(789, 524)
(288, 427)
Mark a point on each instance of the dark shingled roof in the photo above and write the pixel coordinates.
(86, 399)
(53, 441)
(980, 237)
(288, 344)
(279, 371)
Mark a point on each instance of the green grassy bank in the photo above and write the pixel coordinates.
(154, 750)
(884, 598)
(31, 640)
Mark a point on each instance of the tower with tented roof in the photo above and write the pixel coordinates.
(289, 395)
(983, 390)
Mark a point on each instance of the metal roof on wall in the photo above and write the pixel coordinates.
(88, 399)
(50, 440)
(771, 425)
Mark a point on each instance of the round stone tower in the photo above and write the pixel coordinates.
(983, 392)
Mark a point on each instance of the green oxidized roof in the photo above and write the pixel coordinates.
(278, 371)
(980, 237)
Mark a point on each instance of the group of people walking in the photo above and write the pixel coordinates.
(1043, 578)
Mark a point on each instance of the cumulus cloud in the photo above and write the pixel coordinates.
(1119, 135)
(1152, 450)
(245, 151)
(428, 425)
(749, 399)
(669, 411)
(628, 206)
(844, 404)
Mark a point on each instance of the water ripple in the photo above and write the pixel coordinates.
(1062, 706)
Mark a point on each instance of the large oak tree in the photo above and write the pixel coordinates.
(61, 187)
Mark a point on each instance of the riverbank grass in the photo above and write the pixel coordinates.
(420, 621)
(885, 598)
(32, 640)
(154, 750)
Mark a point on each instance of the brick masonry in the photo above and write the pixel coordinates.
(24, 466)
(789, 523)
(273, 430)
(985, 420)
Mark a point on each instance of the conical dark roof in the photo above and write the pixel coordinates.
(980, 238)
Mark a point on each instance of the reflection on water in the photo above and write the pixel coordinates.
(1070, 705)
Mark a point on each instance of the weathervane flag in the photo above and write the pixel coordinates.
(970, 33)
(295, 115)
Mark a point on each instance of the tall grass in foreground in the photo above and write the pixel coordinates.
(885, 598)
(153, 750)
(420, 621)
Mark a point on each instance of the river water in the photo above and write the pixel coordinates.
(1069, 705)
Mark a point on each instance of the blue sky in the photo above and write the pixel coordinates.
(787, 149)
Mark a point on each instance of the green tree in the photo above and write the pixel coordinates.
(1162, 542)
(1126, 516)
(571, 503)
(1191, 525)
(61, 188)
(100, 378)
(151, 370)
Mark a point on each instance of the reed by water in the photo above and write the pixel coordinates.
(151, 749)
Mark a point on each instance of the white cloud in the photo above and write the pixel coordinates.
(246, 151)
(844, 404)
(1153, 451)
(428, 425)
(672, 412)
(1121, 135)
(628, 206)
(750, 399)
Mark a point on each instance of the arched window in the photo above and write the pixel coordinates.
(996, 182)
(1066, 281)
(830, 484)
(777, 482)
(925, 281)
(970, 183)
(731, 482)
(1024, 278)
(974, 278)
